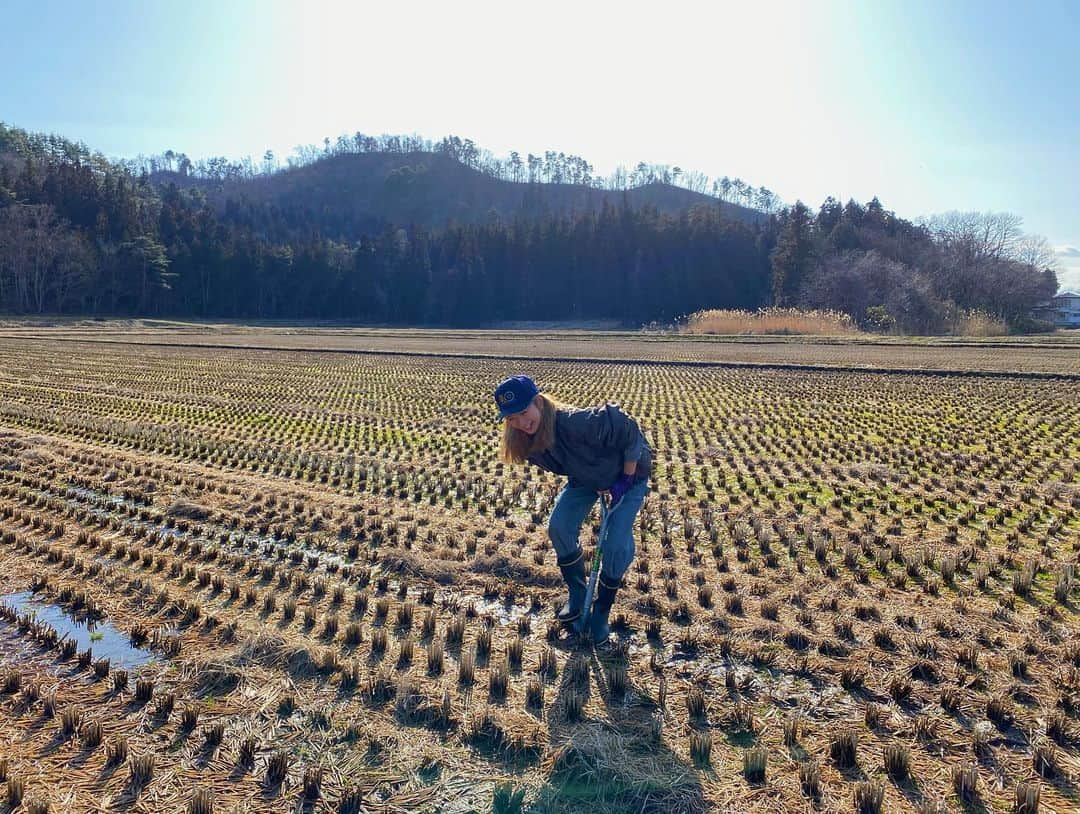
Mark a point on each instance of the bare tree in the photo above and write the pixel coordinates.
(975, 237)
(1035, 250)
(695, 181)
(40, 259)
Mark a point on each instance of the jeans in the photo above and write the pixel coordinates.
(573, 505)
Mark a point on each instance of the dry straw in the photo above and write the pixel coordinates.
(777, 321)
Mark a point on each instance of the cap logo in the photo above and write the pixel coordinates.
(507, 397)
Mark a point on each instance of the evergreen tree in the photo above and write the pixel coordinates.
(791, 259)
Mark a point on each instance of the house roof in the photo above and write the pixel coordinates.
(1065, 295)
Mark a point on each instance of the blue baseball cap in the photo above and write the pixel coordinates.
(514, 395)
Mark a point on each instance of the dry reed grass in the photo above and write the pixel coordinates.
(771, 321)
(978, 324)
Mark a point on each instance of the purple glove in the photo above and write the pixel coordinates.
(620, 488)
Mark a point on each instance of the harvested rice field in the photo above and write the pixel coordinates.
(239, 580)
(1038, 355)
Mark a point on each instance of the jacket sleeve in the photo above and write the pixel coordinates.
(609, 426)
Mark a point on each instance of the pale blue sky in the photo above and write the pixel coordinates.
(931, 106)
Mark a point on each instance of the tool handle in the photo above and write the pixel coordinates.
(586, 609)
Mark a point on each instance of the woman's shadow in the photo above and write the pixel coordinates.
(616, 762)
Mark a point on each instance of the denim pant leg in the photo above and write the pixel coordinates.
(619, 547)
(572, 506)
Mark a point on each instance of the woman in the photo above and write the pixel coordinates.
(601, 450)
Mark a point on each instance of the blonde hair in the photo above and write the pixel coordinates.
(516, 446)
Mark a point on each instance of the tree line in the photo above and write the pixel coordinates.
(182, 258)
(552, 167)
(889, 273)
(82, 235)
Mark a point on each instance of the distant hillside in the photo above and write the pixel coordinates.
(391, 230)
(345, 196)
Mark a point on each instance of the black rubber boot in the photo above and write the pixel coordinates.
(599, 630)
(573, 572)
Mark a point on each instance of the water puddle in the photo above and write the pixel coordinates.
(104, 640)
(496, 608)
(265, 548)
(94, 496)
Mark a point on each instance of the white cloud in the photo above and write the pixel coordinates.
(1069, 278)
(1068, 267)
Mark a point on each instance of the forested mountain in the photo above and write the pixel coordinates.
(347, 195)
(395, 229)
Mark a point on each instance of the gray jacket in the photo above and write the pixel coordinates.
(592, 444)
